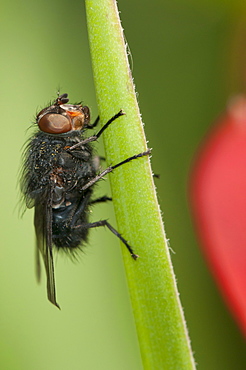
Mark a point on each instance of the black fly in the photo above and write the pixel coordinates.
(59, 173)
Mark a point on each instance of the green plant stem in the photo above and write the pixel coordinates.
(160, 324)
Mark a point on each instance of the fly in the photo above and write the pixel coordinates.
(59, 174)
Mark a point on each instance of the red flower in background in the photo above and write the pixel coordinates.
(218, 197)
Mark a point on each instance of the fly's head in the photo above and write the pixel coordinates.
(60, 117)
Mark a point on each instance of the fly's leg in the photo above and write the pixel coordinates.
(94, 123)
(83, 203)
(96, 136)
(111, 168)
(115, 232)
(100, 200)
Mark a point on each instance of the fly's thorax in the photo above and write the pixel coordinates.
(55, 166)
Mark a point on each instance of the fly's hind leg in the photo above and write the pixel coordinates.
(103, 199)
(115, 232)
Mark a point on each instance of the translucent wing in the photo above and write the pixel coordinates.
(43, 228)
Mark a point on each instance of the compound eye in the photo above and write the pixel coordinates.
(53, 123)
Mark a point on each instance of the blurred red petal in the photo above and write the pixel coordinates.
(218, 196)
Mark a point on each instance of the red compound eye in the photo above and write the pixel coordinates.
(54, 123)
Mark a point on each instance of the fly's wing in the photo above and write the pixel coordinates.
(37, 260)
(43, 228)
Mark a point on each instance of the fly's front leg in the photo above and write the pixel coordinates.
(96, 136)
(94, 123)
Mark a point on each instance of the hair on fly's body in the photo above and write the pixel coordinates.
(58, 178)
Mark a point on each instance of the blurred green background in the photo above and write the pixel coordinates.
(183, 71)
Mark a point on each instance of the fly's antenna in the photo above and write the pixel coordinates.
(62, 99)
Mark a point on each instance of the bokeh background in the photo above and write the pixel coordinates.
(186, 58)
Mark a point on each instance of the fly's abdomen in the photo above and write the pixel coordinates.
(69, 220)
